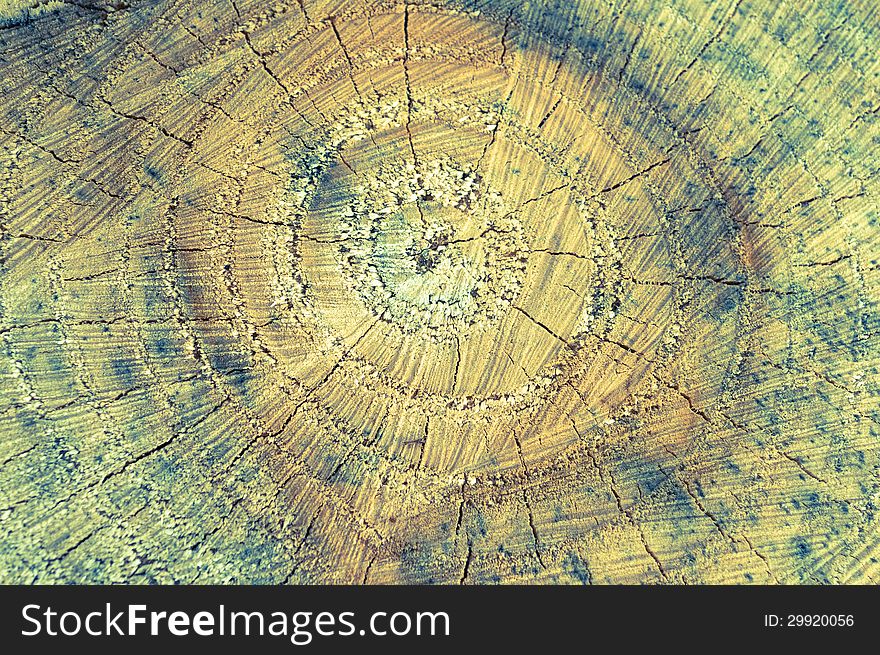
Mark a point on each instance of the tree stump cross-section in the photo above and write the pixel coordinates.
(439, 292)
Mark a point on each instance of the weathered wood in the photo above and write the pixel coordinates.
(439, 292)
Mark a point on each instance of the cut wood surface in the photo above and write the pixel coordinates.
(446, 292)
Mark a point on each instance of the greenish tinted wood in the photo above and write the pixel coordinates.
(439, 292)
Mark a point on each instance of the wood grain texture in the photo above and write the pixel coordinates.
(456, 292)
